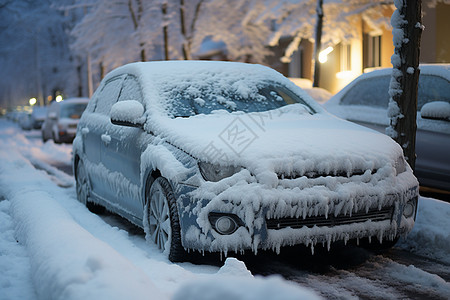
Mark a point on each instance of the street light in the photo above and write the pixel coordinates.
(32, 101)
(324, 53)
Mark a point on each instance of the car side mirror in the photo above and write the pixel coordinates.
(52, 115)
(128, 113)
(437, 110)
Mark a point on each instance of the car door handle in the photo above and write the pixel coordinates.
(106, 139)
(84, 130)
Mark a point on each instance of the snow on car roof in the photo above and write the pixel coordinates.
(161, 77)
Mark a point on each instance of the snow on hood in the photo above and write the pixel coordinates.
(288, 140)
(285, 140)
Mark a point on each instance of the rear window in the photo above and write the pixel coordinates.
(73, 110)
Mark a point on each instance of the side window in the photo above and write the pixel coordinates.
(432, 88)
(131, 90)
(108, 95)
(371, 92)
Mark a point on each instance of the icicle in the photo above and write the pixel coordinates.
(278, 248)
(312, 249)
(380, 236)
(328, 242)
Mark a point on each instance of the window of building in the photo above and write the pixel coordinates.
(372, 51)
(345, 57)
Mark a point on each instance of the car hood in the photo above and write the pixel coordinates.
(287, 141)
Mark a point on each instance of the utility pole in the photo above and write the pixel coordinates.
(318, 42)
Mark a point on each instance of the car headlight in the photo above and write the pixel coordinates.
(213, 172)
(400, 165)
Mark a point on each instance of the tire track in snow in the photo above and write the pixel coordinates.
(353, 273)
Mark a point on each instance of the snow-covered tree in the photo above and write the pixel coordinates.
(238, 25)
(407, 31)
(34, 56)
(335, 20)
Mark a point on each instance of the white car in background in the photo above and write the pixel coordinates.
(365, 101)
(62, 118)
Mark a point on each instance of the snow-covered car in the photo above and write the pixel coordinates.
(365, 101)
(24, 120)
(222, 156)
(62, 118)
(38, 116)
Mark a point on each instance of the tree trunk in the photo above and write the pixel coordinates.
(102, 70)
(89, 75)
(165, 31)
(318, 42)
(407, 31)
(186, 52)
(136, 18)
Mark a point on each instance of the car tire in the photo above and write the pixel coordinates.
(57, 141)
(161, 220)
(83, 189)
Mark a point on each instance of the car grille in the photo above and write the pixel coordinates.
(74, 126)
(374, 215)
(314, 174)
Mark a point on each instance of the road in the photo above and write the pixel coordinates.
(346, 272)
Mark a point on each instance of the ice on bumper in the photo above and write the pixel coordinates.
(302, 210)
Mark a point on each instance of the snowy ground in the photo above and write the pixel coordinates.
(52, 247)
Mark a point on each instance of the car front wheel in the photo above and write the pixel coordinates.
(161, 221)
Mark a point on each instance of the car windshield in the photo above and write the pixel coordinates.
(374, 91)
(72, 110)
(205, 100)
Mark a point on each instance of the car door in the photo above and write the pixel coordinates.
(121, 155)
(92, 129)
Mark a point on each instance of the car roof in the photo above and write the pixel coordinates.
(241, 75)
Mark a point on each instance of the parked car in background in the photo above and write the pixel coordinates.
(62, 118)
(24, 120)
(37, 116)
(319, 94)
(365, 101)
(222, 156)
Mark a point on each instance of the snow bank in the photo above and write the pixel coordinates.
(234, 281)
(430, 236)
(15, 282)
(67, 262)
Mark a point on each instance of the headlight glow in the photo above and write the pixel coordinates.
(213, 172)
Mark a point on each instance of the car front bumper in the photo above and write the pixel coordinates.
(273, 218)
